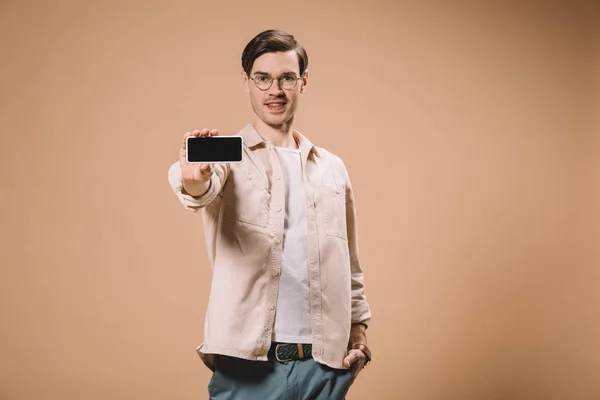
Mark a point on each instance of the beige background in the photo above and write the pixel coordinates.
(471, 133)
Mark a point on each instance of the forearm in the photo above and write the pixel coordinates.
(358, 334)
(360, 309)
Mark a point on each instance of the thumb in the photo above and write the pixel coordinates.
(349, 360)
(206, 170)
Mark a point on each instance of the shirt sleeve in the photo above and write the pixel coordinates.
(361, 311)
(191, 203)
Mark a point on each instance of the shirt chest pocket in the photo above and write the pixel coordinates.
(246, 197)
(331, 209)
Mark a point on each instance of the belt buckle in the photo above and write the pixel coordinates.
(277, 354)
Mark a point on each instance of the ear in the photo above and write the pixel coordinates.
(304, 81)
(245, 81)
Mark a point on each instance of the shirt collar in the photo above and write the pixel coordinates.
(252, 138)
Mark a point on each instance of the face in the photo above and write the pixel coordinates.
(275, 106)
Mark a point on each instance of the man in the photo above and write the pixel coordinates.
(287, 312)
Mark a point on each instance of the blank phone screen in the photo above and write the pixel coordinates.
(211, 149)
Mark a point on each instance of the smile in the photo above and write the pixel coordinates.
(276, 106)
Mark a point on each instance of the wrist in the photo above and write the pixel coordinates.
(195, 188)
(366, 351)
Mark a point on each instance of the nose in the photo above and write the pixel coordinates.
(275, 87)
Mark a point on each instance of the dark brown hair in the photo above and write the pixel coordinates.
(271, 41)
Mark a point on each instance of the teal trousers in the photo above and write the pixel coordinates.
(239, 379)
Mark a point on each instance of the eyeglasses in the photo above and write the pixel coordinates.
(264, 82)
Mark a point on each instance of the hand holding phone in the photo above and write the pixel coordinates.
(195, 176)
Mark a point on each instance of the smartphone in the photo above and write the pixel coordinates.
(214, 149)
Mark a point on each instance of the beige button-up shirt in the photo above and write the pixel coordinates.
(243, 214)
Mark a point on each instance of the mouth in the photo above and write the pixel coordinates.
(276, 106)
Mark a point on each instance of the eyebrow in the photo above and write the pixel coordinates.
(266, 73)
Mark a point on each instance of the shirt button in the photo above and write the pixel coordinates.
(277, 240)
(271, 307)
(279, 208)
(276, 273)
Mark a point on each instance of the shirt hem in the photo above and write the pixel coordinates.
(248, 355)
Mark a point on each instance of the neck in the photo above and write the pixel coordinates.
(277, 135)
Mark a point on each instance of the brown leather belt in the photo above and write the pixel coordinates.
(283, 352)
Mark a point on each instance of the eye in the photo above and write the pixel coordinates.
(288, 78)
(260, 78)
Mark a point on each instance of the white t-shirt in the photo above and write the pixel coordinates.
(292, 316)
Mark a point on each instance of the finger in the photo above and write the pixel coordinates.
(214, 132)
(206, 169)
(347, 361)
(185, 136)
(199, 132)
(204, 132)
(350, 359)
